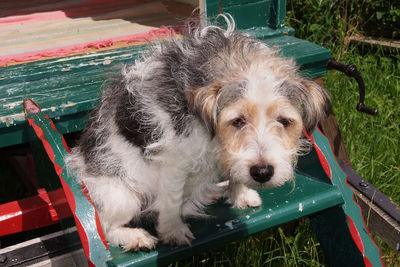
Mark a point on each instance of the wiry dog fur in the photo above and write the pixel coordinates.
(213, 104)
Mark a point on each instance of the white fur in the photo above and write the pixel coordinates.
(179, 183)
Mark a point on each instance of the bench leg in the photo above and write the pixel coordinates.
(83, 210)
(332, 232)
(349, 218)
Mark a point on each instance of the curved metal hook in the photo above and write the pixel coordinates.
(351, 71)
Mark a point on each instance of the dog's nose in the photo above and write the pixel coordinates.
(262, 174)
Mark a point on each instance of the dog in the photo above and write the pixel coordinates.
(211, 105)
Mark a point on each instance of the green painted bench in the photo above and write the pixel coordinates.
(68, 88)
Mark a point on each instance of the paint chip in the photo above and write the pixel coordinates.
(68, 105)
(106, 62)
(229, 224)
(300, 207)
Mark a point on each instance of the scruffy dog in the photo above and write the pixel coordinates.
(213, 104)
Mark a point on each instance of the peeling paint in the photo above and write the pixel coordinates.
(12, 105)
(230, 224)
(51, 108)
(11, 91)
(68, 105)
(300, 207)
(10, 120)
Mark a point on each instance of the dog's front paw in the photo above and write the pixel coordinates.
(136, 239)
(179, 235)
(245, 198)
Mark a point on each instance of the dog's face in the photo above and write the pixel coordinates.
(258, 115)
(259, 134)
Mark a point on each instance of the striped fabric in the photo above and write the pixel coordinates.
(33, 29)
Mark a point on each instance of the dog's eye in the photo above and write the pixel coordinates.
(239, 122)
(284, 121)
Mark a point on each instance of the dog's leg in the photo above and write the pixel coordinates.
(171, 229)
(241, 197)
(117, 205)
(201, 195)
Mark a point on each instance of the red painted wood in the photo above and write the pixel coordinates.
(321, 157)
(45, 197)
(353, 230)
(34, 212)
(98, 224)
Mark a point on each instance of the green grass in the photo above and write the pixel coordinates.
(372, 141)
(287, 245)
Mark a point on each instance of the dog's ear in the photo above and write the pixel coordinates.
(204, 103)
(315, 103)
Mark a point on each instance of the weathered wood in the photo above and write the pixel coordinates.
(330, 128)
(378, 221)
(369, 40)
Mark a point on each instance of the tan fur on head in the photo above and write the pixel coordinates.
(254, 133)
(251, 82)
(318, 103)
(204, 102)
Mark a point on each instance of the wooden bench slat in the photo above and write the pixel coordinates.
(64, 86)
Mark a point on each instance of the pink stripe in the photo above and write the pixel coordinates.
(34, 17)
(64, 32)
(69, 7)
(63, 51)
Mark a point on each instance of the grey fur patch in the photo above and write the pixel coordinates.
(302, 98)
(230, 93)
